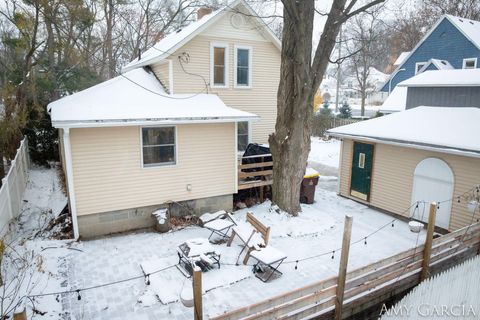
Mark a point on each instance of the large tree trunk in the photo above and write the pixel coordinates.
(2, 167)
(290, 144)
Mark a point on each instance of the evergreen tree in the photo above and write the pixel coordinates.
(345, 111)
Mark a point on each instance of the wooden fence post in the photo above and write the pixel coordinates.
(197, 293)
(20, 315)
(342, 270)
(428, 241)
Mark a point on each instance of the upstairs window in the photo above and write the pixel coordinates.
(419, 66)
(158, 146)
(243, 69)
(242, 135)
(219, 65)
(470, 63)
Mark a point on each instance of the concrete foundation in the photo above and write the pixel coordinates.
(99, 224)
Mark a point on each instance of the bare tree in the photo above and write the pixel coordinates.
(300, 76)
(366, 34)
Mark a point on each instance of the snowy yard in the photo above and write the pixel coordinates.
(316, 231)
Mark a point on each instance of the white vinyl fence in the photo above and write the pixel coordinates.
(13, 187)
(453, 294)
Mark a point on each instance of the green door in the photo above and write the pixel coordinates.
(361, 170)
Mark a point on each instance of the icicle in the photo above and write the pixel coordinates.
(79, 297)
(147, 279)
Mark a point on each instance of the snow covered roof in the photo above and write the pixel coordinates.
(439, 64)
(396, 101)
(449, 130)
(175, 40)
(470, 28)
(444, 78)
(401, 58)
(137, 98)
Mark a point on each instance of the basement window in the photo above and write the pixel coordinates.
(158, 146)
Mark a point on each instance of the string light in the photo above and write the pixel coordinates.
(147, 276)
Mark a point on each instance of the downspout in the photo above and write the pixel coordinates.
(69, 171)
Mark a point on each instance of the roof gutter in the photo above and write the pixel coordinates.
(148, 122)
(406, 144)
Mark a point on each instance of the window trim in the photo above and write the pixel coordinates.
(214, 45)
(250, 66)
(464, 64)
(159, 165)
(417, 70)
(249, 140)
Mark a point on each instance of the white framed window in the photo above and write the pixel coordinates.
(243, 135)
(419, 66)
(361, 161)
(469, 63)
(159, 146)
(243, 67)
(219, 65)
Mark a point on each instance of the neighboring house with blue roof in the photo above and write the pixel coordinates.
(453, 43)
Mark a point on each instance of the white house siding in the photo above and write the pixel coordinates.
(260, 99)
(392, 178)
(108, 172)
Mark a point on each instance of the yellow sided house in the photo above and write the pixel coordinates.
(169, 128)
(229, 52)
(422, 155)
(128, 150)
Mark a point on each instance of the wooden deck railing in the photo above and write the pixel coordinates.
(366, 286)
(256, 174)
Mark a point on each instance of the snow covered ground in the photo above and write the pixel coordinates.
(325, 156)
(316, 231)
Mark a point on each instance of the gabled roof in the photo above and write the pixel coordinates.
(401, 58)
(176, 40)
(449, 130)
(396, 101)
(444, 78)
(439, 64)
(137, 98)
(469, 28)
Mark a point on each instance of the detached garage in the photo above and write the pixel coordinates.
(420, 155)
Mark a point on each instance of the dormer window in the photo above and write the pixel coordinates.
(470, 63)
(219, 65)
(419, 66)
(243, 67)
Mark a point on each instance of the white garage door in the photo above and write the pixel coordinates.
(432, 182)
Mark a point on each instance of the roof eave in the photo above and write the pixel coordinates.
(202, 28)
(148, 122)
(407, 144)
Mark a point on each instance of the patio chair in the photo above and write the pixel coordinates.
(254, 235)
(220, 225)
(269, 260)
